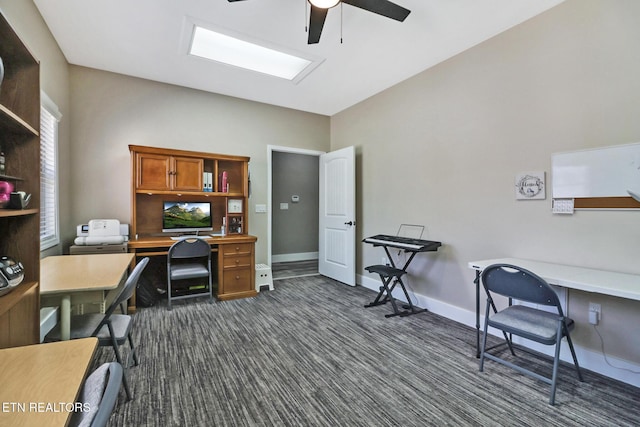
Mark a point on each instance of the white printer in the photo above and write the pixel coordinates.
(102, 232)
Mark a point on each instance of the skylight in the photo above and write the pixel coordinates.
(232, 51)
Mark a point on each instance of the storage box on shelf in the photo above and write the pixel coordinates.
(20, 228)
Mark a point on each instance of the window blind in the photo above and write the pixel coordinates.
(49, 228)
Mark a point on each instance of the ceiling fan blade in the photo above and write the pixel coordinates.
(381, 7)
(316, 22)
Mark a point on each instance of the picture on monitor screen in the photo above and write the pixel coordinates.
(186, 216)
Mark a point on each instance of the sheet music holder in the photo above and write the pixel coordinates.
(413, 231)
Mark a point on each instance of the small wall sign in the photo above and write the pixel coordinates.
(530, 186)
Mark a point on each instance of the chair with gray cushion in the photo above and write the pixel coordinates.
(110, 329)
(186, 260)
(98, 396)
(535, 324)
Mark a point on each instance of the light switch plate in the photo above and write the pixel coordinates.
(284, 206)
(261, 208)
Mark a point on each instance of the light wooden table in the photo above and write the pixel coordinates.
(41, 383)
(68, 277)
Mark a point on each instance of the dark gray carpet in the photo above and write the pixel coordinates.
(309, 354)
(286, 270)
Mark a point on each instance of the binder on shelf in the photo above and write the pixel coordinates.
(207, 181)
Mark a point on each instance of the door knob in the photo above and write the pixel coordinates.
(350, 223)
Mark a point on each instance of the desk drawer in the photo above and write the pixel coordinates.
(243, 261)
(237, 280)
(237, 249)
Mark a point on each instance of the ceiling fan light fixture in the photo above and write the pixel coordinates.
(324, 4)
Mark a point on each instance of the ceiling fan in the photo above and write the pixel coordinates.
(319, 9)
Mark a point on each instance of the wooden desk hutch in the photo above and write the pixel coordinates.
(160, 174)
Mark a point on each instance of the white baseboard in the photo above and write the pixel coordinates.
(301, 256)
(588, 359)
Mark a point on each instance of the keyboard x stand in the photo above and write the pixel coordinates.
(390, 275)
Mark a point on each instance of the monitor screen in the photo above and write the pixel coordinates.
(186, 216)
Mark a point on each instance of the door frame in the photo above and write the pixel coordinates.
(280, 149)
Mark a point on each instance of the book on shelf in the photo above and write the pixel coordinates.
(224, 182)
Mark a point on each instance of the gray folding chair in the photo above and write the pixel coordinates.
(531, 323)
(188, 259)
(110, 329)
(98, 396)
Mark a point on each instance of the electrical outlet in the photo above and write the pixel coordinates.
(595, 312)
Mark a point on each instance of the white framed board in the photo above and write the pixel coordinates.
(598, 177)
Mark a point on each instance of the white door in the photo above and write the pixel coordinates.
(337, 240)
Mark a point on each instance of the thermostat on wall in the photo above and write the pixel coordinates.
(295, 198)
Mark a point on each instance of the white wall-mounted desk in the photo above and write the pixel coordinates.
(622, 285)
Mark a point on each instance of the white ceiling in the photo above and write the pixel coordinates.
(148, 39)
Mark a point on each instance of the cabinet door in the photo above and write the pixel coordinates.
(153, 172)
(25, 319)
(237, 280)
(20, 325)
(187, 173)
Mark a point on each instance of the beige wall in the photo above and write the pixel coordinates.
(54, 81)
(111, 111)
(443, 149)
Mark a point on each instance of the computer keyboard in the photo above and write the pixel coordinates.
(188, 237)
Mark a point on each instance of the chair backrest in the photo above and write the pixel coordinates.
(189, 248)
(126, 292)
(99, 396)
(521, 284)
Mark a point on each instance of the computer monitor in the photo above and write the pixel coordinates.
(186, 216)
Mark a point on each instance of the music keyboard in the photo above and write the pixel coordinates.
(407, 243)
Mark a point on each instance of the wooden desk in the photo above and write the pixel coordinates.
(74, 276)
(604, 282)
(41, 383)
(235, 261)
